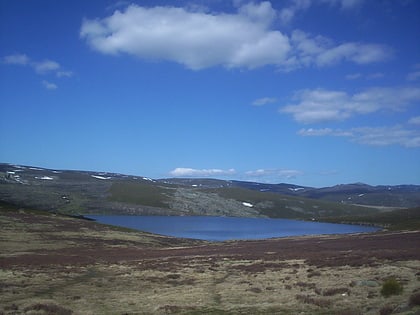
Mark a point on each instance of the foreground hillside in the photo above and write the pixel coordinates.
(74, 192)
(54, 264)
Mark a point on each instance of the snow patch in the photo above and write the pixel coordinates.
(361, 195)
(149, 179)
(44, 177)
(247, 204)
(100, 177)
(296, 189)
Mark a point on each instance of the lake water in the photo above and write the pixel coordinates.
(227, 228)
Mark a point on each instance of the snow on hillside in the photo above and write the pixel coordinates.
(100, 177)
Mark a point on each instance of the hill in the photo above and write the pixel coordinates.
(75, 192)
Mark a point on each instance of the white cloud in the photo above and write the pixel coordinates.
(376, 75)
(345, 4)
(17, 59)
(62, 74)
(371, 76)
(288, 13)
(319, 105)
(322, 51)
(413, 76)
(315, 132)
(324, 132)
(264, 101)
(192, 172)
(414, 120)
(261, 175)
(273, 173)
(384, 136)
(45, 66)
(261, 12)
(117, 4)
(49, 85)
(353, 76)
(195, 39)
(392, 98)
(374, 136)
(199, 39)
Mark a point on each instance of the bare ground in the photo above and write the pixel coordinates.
(60, 265)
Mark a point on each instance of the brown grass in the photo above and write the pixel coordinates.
(61, 265)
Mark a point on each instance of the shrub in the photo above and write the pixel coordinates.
(349, 312)
(391, 287)
(334, 291)
(309, 285)
(314, 274)
(415, 299)
(255, 290)
(312, 300)
(12, 307)
(386, 310)
(49, 309)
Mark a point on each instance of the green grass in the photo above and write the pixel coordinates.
(284, 206)
(391, 287)
(402, 219)
(140, 193)
(9, 207)
(390, 199)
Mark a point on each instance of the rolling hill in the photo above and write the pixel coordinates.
(85, 192)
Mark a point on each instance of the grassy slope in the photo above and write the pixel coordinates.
(265, 203)
(284, 206)
(78, 193)
(391, 200)
(142, 193)
(403, 219)
(75, 231)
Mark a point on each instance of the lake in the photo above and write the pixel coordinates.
(227, 228)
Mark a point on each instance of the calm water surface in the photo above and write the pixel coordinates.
(227, 228)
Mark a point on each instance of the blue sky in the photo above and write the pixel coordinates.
(311, 92)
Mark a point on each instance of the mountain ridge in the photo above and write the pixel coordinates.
(73, 192)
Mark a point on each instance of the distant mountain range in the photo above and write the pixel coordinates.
(399, 196)
(75, 192)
